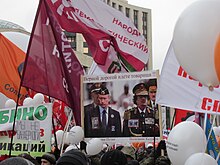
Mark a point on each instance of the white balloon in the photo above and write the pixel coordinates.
(59, 136)
(185, 139)
(94, 146)
(52, 141)
(196, 41)
(216, 131)
(10, 103)
(201, 159)
(3, 100)
(219, 128)
(75, 135)
(28, 101)
(38, 99)
(70, 147)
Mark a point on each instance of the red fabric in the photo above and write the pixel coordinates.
(59, 115)
(51, 66)
(182, 115)
(93, 36)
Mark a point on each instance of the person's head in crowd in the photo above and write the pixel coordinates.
(113, 157)
(161, 146)
(129, 152)
(162, 160)
(140, 95)
(29, 157)
(73, 157)
(94, 89)
(152, 89)
(103, 97)
(149, 148)
(82, 146)
(133, 162)
(16, 161)
(48, 159)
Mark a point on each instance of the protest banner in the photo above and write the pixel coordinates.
(179, 90)
(32, 130)
(114, 84)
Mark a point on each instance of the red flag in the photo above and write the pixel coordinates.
(105, 29)
(51, 66)
(59, 115)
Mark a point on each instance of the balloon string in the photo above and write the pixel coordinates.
(218, 157)
(206, 115)
(211, 128)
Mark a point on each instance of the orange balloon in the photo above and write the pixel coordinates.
(217, 57)
(218, 140)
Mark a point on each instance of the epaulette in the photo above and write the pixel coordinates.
(127, 114)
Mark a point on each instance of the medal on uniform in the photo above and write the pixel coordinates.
(149, 121)
(113, 128)
(132, 123)
(95, 122)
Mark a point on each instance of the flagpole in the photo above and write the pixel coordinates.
(14, 120)
(211, 127)
(65, 130)
(19, 90)
(174, 115)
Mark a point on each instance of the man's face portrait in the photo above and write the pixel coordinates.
(152, 92)
(103, 100)
(141, 100)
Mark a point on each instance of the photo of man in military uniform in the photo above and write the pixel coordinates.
(140, 120)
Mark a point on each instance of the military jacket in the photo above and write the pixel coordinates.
(140, 124)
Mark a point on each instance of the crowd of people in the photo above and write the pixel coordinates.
(121, 155)
(136, 114)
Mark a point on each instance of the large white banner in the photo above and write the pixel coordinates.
(177, 89)
(32, 130)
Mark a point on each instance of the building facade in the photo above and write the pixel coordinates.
(141, 18)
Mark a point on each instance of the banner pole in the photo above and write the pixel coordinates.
(174, 115)
(14, 120)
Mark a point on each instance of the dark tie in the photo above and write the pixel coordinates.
(142, 114)
(104, 119)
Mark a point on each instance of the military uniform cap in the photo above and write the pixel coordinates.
(95, 87)
(140, 89)
(103, 91)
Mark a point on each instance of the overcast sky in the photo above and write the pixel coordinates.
(164, 16)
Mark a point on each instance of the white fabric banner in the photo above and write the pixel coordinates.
(115, 23)
(177, 89)
(33, 129)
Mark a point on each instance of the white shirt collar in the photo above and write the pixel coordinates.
(142, 110)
